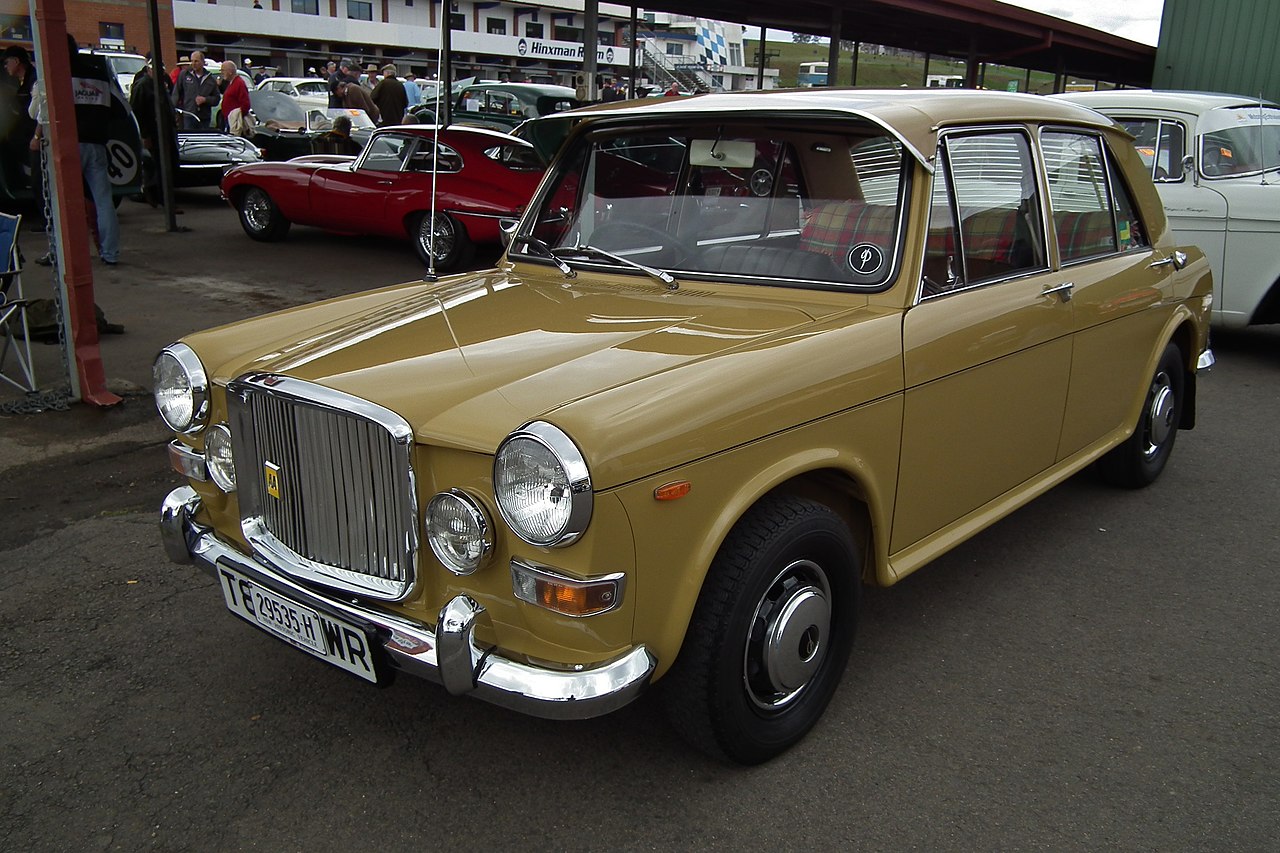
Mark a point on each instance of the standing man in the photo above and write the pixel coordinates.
(412, 90)
(346, 72)
(142, 101)
(91, 89)
(235, 102)
(390, 96)
(196, 94)
(20, 127)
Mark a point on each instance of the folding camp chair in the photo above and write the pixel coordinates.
(13, 309)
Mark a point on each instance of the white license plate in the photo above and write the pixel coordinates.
(342, 645)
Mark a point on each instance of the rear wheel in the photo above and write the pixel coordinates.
(771, 632)
(259, 216)
(444, 237)
(1139, 461)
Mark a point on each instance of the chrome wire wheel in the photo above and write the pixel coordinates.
(789, 636)
(257, 210)
(1162, 408)
(436, 236)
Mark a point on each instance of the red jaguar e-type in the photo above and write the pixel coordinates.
(480, 177)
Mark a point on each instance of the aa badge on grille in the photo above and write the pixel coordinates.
(271, 473)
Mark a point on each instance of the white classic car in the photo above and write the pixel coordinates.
(1215, 160)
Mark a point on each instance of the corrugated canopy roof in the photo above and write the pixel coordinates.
(992, 31)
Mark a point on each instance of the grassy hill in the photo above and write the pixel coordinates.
(891, 72)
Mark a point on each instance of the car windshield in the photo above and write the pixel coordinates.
(312, 88)
(276, 110)
(773, 200)
(322, 120)
(126, 66)
(1238, 141)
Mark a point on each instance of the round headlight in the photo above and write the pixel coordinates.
(458, 531)
(181, 388)
(542, 485)
(217, 457)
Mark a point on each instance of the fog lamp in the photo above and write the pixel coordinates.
(458, 531)
(218, 458)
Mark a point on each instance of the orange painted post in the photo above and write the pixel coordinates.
(74, 262)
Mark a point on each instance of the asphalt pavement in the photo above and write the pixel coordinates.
(1097, 671)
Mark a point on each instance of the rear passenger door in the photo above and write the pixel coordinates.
(1105, 251)
(987, 346)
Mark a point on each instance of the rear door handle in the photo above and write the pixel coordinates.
(1177, 260)
(1064, 290)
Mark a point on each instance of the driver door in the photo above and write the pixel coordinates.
(353, 198)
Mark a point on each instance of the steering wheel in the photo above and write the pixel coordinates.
(619, 234)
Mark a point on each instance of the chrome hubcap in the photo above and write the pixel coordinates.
(443, 234)
(789, 635)
(1159, 415)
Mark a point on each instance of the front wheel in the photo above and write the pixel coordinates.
(260, 218)
(444, 237)
(1139, 461)
(771, 632)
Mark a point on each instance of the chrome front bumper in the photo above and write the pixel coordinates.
(447, 655)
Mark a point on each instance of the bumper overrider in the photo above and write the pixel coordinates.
(447, 655)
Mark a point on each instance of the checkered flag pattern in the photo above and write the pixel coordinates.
(711, 42)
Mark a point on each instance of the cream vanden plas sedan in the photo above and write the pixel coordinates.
(745, 354)
(1215, 160)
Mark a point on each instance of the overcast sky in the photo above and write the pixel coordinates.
(1138, 20)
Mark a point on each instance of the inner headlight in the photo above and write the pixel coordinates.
(542, 485)
(218, 459)
(458, 531)
(181, 388)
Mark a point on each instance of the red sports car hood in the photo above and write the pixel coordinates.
(472, 358)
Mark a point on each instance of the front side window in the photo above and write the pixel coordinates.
(386, 153)
(1161, 143)
(358, 10)
(786, 202)
(533, 30)
(495, 26)
(985, 220)
(305, 7)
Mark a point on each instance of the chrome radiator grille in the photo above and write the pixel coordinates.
(326, 484)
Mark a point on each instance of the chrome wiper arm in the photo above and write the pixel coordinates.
(550, 254)
(660, 275)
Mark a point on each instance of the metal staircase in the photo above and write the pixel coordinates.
(662, 72)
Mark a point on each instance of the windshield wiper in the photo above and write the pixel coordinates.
(550, 254)
(656, 274)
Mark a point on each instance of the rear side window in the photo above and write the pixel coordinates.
(1077, 179)
(1093, 213)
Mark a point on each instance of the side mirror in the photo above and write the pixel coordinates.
(507, 228)
(1189, 167)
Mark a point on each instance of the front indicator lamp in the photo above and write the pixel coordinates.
(572, 597)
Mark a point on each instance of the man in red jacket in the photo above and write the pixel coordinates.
(235, 102)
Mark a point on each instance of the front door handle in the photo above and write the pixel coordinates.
(1064, 290)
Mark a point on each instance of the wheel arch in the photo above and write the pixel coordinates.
(1268, 310)
(825, 476)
